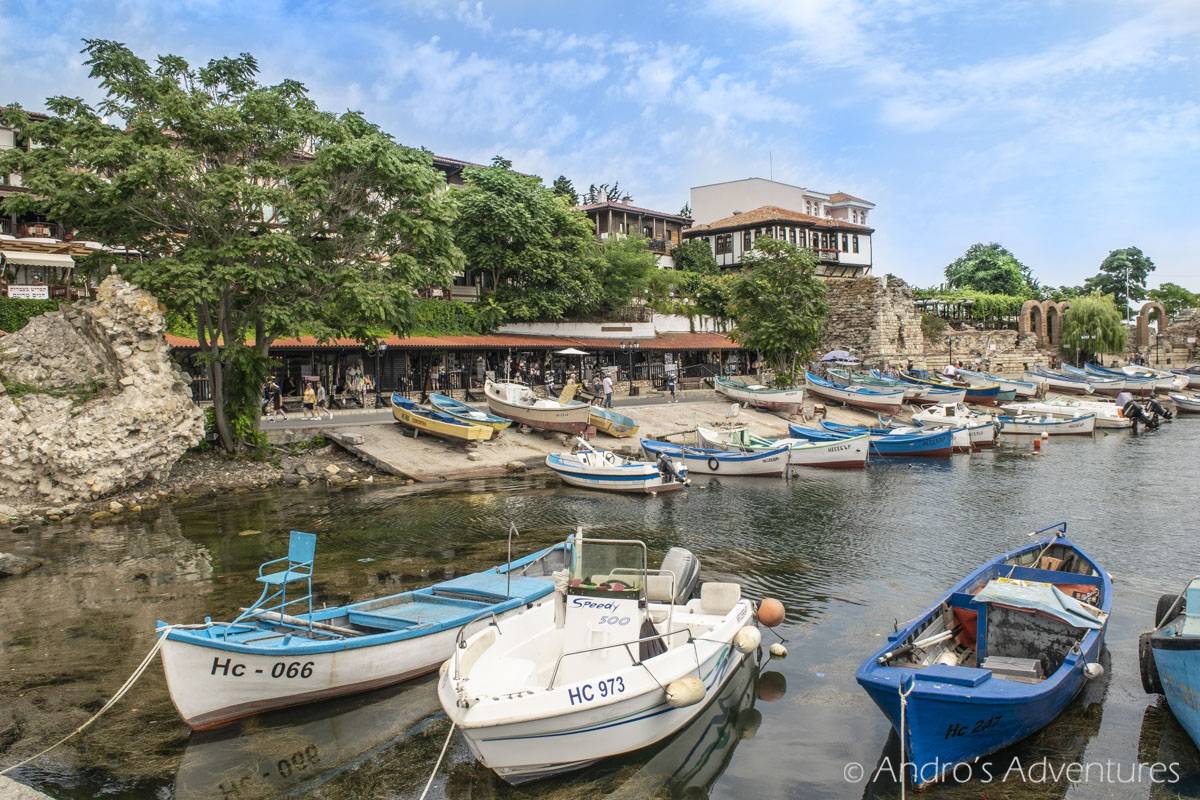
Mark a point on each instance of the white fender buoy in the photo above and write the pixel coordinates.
(685, 692)
(747, 639)
(778, 650)
(1093, 670)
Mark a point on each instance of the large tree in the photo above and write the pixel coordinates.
(624, 270)
(1174, 298)
(1092, 325)
(606, 192)
(564, 188)
(253, 212)
(540, 252)
(990, 268)
(695, 255)
(1123, 274)
(778, 305)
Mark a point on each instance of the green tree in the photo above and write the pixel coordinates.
(1060, 293)
(625, 267)
(990, 268)
(1123, 274)
(1095, 317)
(254, 212)
(778, 305)
(686, 211)
(695, 255)
(1174, 298)
(605, 193)
(713, 295)
(564, 188)
(540, 252)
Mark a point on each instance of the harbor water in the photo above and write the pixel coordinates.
(849, 554)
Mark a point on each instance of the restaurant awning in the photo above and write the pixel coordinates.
(36, 259)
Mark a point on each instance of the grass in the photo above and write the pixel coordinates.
(78, 395)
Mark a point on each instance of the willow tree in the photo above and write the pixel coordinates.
(778, 305)
(253, 212)
(1091, 325)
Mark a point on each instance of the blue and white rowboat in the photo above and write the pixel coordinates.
(935, 444)
(1024, 425)
(997, 658)
(605, 470)
(1170, 656)
(875, 398)
(707, 461)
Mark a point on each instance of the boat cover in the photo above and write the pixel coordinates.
(1044, 597)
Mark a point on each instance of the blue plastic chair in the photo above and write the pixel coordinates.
(302, 549)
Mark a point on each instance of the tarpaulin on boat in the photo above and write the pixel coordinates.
(1044, 597)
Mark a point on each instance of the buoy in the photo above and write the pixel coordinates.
(747, 639)
(1037, 445)
(1093, 670)
(685, 692)
(778, 650)
(771, 686)
(770, 612)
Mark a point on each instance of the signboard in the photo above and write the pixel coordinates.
(29, 292)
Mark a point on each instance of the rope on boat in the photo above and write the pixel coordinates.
(125, 687)
(436, 766)
(903, 728)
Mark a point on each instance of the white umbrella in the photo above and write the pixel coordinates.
(570, 351)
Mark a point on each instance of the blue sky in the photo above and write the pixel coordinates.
(1061, 129)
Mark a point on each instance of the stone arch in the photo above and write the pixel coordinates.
(1031, 320)
(1142, 332)
(1053, 315)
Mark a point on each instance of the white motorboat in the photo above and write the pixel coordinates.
(1024, 388)
(756, 395)
(614, 663)
(849, 453)
(980, 427)
(710, 461)
(1164, 380)
(590, 468)
(517, 402)
(1185, 404)
(1028, 425)
(1191, 374)
(1108, 415)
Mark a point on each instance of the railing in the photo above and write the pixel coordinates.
(826, 253)
(659, 246)
(6, 227)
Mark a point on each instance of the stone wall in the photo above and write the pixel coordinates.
(875, 318)
(93, 404)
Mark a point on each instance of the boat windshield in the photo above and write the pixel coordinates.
(602, 567)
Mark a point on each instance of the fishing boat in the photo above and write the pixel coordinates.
(848, 453)
(1192, 373)
(960, 438)
(1169, 655)
(1059, 382)
(1108, 415)
(1185, 404)
(1165, 379)
(1100, 384)
(420, 419)
(875, 380)
(875, 399)
(1019, 388)
(1029, 425)
(980, 427)
(517, 402)
(711, 461)
(269, 657)
(758, 396)
(465, 413)
(988, 394)
(614, 664)
(997, 658)
(935, 444)
(590, 468)
(615, 425)
(1142, 380)
(922, 392)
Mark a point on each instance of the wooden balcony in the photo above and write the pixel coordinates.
(826, 254)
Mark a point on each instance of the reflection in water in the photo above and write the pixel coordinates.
(1164, 741)
(286, 751)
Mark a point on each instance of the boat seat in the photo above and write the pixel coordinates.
(719, 598)
(408, 615)
(494, 586)
(282, 577)
(658, 589)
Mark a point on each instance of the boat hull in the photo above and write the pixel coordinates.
(1193, 378)
(574, 418)
(1177, 659)
(453, 431)
(1079, 426)
(1185, 404)
(634, 479)
(1062, 384)
(787, 400)
(767, 463)
(609, 422)
(847, 454)
(465, 413)
(875, 402)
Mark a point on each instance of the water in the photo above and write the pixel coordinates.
(847, 553)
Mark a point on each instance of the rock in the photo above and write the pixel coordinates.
(409, 481)
(292, 479)
(8, 512)
(304, 482)
(289, 464)
(136, 508)
(474, 457)
(115, 508)
(334, 479)
(12, 565)
(332, 469)
(101, 516)
(515, 466)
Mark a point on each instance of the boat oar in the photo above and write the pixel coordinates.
(937, 638)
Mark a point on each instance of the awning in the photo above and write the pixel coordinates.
(37, 259)
(570, 351)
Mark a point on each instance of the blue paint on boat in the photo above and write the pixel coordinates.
(413, 407)
(1175, 648)
(465, 413)
(864, 391)
(955, 714)
(886, 444)
(987, 395)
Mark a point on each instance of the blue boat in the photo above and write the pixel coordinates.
(467, 413)
(1170, 656)
(709, 461)
(936, 444)
(997, 658)
(280, 652)
(987, 394)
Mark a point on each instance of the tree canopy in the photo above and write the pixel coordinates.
(564, 188)
(1127, 267)
(254, 212)
(1174, 298)
(1095, 317)
(624, 270)
(778, 305)
(992, 269)
(605, 193)
(695, 255)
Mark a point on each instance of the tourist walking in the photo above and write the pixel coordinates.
(276, 400)
(671, 382)
(608, 391)
(322, 402)
(309, 401)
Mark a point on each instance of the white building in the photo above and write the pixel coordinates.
(733, 215)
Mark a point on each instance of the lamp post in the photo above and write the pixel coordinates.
(630, 346)
(380, 349)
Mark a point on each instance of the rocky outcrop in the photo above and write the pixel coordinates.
(90, 403)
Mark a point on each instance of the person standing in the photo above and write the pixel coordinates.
(607, 385)
(277, 400)
(322, 402)
(309, 401)
(671, 383)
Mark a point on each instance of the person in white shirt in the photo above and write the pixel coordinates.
(950, 371)
(608, 387)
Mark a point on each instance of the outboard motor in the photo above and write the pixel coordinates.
(666, 468)
(1159, 410)
(1132, 410)
(684, 565)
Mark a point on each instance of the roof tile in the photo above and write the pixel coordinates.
(764, 214)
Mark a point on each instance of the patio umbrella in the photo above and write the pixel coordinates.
(574, 351)
(839, 355)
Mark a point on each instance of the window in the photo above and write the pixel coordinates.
(792, 235)
(845, 243)
(723, 244)
(746, 243)
(824, 241)
(855, 240)
(647, 232)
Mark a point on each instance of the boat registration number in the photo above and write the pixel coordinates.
(956, 729)
(280, 669)
(596, 691)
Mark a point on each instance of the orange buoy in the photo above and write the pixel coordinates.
(1037, 445)
(770, 612)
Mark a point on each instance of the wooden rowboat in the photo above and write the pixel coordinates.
(759, 396)
(876, 399)
(616, 425)
(465, 413)
(436, 423)
(517, 402)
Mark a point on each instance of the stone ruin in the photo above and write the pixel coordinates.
(90, 403)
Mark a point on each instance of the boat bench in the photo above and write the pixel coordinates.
(426, 611)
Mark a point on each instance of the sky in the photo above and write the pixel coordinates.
(1062, 130)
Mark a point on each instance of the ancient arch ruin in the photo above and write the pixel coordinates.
(1141, 336)
(1043, 318)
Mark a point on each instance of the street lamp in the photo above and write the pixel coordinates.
(380, 349)
(630, 346)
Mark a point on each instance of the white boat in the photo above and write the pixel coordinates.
(1028, 425)
(850, 453)
(876, 398)
(611, 665)
(1191, 374)
(1185, 404)
(980, 427)
(1164, 380)
(1108, 415)
(603, 469)
(1022, 388)
(757, 395)
(708, 461)
(1110, 385)
(1057, 382)
(517, 402)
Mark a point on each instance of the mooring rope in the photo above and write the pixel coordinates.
(903, 728)
(125, 687)
(436, 766)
